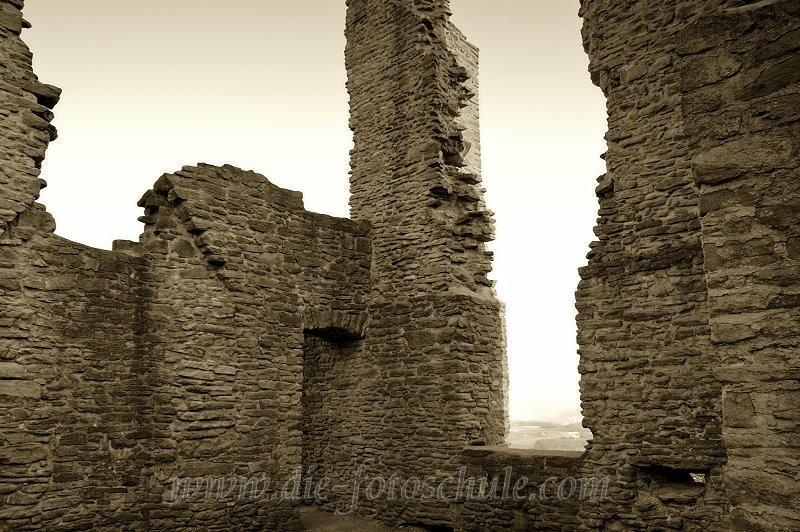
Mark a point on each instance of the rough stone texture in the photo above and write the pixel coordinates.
(435, 336)
(648, 387)
(134, 367)
(25, 115)
(687, 309)
(243, 335)
(243, 272)
(743, 119)
(536, 504)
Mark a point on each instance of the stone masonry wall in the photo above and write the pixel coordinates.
(248, 272)
(688, 307)
(177, 357)
(687, 299)
(25, 129)
(435, 334)
(533, 490)
(741, 81)
(412, 83)
(73, 374)
(648, 388)
(196, 352)
(126, 370)
(243, 336)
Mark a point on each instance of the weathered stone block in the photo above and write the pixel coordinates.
(197, 374)
(738, 410)
(22, 454)
(11, 370)
(709, 69)
(774, 77)
(20, 388)
(740, 156)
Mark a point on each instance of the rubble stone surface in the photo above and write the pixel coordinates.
(243, 337)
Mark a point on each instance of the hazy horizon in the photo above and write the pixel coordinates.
(153, 85)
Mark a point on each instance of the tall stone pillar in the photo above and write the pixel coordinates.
(435, 336)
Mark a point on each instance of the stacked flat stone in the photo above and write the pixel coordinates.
(648, 387)
(687, 320)
(435, 339)
(244, 336)
(741, 86)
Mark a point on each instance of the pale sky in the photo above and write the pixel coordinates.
(152, 85)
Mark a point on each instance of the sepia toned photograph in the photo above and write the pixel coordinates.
(400, 265)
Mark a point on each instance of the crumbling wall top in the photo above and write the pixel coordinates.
(25, 130)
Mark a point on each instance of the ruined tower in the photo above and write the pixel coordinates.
(243, 336)
(244, 339)
(433, 352)
(687, 309)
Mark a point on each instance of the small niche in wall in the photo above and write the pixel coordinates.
(428, 528)
(673, 485)
(670, 487)
(669, 475)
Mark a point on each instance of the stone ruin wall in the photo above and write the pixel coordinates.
(158, 360)
(251, 275)
(179, 356)
(688, 307)
(741, 86)
(648, 388)
(245, 335)
(434, 348)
